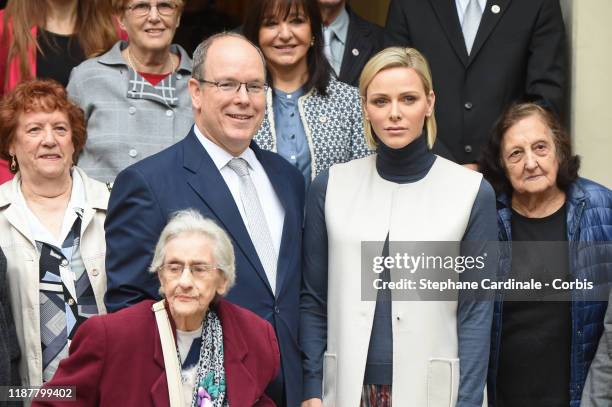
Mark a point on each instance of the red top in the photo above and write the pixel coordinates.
(154, 78)
(5, 174)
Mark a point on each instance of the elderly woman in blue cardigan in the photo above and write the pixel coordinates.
(541, 350)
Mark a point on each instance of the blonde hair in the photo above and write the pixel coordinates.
(396, 57)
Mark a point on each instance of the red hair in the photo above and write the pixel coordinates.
(34, 96)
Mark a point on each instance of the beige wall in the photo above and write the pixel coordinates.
(589, 30)
(373, 10)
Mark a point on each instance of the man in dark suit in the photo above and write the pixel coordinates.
(350, 41)
(484, 55)
(255, 195)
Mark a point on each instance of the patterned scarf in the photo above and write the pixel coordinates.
(210, 379)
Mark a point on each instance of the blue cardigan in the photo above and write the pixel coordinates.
(589, 219)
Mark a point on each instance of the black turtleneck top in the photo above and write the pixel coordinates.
(405, 165)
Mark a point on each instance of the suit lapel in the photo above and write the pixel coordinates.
(240, 381)
(356, 39)
(487, 24)
(206, 180)
(446, 11)
(283, 192)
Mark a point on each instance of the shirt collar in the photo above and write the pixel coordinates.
(221, 157)
(76, 206)
(340, 26)
(462, 4)
(114, 56)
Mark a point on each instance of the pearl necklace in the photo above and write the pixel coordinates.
(133, 66)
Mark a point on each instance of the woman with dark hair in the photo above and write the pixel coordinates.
(45, 39)
(312, 119)
(51, 225)
(541, 350)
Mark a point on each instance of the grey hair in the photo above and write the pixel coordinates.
(199, 55)
(191, 221)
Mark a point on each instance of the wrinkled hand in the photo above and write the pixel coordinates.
(312, 403)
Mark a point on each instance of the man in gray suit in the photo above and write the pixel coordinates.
(598, 387)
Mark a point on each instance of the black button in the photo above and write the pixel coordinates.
(292, 136)
(468, 148)
(292, 114)
(276, 310)
(468, 105)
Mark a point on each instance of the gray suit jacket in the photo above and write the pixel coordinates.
(123, 129)
(598, 387)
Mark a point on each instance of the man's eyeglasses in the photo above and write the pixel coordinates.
(228, 86)
(143, 8)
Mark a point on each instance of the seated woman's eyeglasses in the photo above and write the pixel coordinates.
(199, 270)
(143, 8)
(254, 88)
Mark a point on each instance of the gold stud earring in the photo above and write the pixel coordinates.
(13, 164)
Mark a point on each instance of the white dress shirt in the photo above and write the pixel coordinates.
(271, 205)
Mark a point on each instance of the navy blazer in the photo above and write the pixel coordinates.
(184, 176)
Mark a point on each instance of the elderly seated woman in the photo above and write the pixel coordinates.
(191, 349)
(541, 350)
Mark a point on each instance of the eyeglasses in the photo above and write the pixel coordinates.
(253, 88)
(142, 8)
(198, 270)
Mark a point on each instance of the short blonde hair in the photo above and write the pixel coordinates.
(396, 57)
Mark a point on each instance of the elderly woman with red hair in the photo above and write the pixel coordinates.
(51, 225)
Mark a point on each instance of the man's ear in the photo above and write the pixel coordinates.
(195, 91)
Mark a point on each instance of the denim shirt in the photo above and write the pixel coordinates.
(291, 142)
